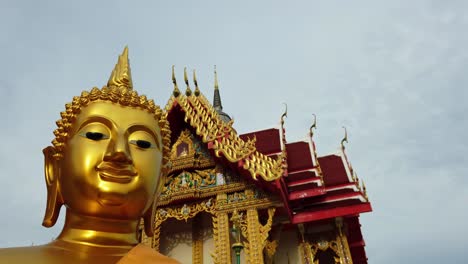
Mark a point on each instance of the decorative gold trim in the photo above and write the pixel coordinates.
(197, 193)
(184, 212)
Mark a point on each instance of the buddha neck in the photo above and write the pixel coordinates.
(99, 232)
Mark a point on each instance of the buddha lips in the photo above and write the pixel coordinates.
(116, 172)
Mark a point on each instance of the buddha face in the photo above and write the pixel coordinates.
(112, 161)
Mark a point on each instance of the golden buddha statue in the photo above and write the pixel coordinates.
(106, 165)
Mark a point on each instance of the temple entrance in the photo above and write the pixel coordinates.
(188, 241)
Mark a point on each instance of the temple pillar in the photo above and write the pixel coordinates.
(221, 234)
(197, 241)
(255, 248)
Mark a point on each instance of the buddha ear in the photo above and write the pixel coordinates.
(54, 198)
(148, 219)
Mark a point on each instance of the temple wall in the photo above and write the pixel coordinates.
(176, 240)
(208, 248)
(288, 246)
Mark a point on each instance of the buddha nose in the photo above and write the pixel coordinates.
(118, 151)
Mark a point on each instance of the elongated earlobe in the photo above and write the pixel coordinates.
(54, 198)
(148, 220)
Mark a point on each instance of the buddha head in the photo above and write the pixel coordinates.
(109, 154)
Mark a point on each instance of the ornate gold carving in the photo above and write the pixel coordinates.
(201, 183)
(183, 147)
(201, 193)
(187, 152)
(190, 180)
(265, 229)
(268, 168)
(184, 212)
(270, 250)
(339, 246)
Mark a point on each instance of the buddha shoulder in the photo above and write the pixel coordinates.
(34, 254)
(47, 254)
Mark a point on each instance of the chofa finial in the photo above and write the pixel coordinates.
(188, 91)
(345, 139)
(285, 114)
(176, 91)
(121, 76)
(313, 126)
(197, 90)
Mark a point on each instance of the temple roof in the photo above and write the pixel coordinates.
(220, 136)
(312, 187)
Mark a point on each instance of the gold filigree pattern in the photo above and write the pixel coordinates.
(184, 212)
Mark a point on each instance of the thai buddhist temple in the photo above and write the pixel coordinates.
(255, 197)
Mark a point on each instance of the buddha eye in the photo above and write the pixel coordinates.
(142, 144)
(96, 136)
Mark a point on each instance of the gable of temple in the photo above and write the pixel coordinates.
(286, 202)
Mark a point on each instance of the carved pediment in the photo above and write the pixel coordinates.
(188, 152)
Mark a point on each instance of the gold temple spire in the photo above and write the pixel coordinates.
(188, 91)
(197, 90)
(176, 91)
(121, 75)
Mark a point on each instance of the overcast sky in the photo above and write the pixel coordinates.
(394, 73)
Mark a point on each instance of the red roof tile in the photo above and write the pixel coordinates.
(268, 140)
(333, 170)
(299, 157)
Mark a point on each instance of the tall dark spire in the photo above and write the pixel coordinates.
(217, 100)
(217, 97)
